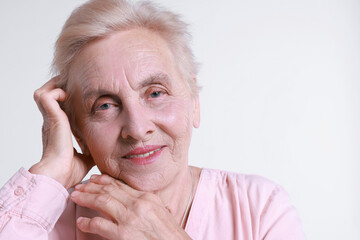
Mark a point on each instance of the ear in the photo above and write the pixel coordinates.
(81, 142)
(196, 114)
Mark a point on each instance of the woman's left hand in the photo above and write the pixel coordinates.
(128, 213)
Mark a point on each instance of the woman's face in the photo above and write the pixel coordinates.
(133, 110)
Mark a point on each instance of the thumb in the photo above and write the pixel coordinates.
(84, 159)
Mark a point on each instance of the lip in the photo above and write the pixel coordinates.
(155, 151)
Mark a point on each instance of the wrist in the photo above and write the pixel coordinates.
(45, 170)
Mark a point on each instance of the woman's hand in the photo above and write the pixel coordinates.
(59, 160)
(128, 213)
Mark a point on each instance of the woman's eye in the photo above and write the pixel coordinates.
(156, 94)
(104, 106)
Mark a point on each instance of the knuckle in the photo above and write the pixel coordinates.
(42, 97)
(84, 187)
(122, 188)
(109, 188)
(119, 214)
(149, 197)
(102, 199)
(95, 223)
(37, 95)
(104, 178)
(132, 221)
(142, 206)
(97, 179)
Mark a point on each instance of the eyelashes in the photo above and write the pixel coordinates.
(157, 93)
(106, 103)
(104, 106)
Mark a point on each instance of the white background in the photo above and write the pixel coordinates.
(280, 98)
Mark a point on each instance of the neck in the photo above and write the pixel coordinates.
(176, 195)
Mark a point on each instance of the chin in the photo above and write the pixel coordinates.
(146, 183)
(147, 178)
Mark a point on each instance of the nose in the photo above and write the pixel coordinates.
(137, 123)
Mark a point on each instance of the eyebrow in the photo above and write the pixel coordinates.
(93, 93)
(160, 78)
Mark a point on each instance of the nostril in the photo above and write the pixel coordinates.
(135, 133)
(137, 129)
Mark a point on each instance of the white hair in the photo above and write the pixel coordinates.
(100, 18)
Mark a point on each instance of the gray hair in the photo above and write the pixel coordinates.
(100, 18)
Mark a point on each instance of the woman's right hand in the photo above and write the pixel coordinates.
(60, 160)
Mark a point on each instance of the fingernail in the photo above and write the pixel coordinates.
(94, 176)
(77, 187)
(79, 220)
(75, 193)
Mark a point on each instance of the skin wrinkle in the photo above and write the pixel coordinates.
(169, 117)
(84, 73)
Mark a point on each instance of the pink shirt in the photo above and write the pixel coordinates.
(226, 206)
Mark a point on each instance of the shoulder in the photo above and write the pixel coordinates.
(243, 185)
(253, 205)
(256, 196)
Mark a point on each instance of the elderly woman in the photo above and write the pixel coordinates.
(126, 89)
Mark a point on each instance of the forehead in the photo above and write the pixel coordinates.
(126, 57)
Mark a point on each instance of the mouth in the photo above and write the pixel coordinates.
(144, 155)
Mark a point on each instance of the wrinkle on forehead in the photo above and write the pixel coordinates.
(84, 69)
(89, 77)
(123, 60)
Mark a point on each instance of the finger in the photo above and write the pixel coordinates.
(48, 86)
(48, 102)
(97, 225)
(110, 189)
(105, 179)
(90, 188)
(51, 84)
(102, 179)
(105, 203)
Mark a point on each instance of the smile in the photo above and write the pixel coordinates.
(142, 155)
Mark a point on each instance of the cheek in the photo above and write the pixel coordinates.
(175, 119)
(96, 133)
